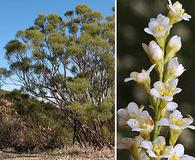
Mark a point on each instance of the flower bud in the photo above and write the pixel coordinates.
(174, 45)
(153, 51)
(174, 69)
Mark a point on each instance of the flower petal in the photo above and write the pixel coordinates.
(177, 114)
(191, 127)
(167, 98)
(147, 30)
(123, 113)
(170, 3)
(137, 129)
(145, 115)
(179, 150)
(122, 122)
(153, 24)
(155, 93)
(173, 83)
(147, 145)
(151, 68)
(133, 109)
(159, 140)
(177, 90)
(128, 79)
(163, 122)
(187, 157)
(159, 85)
(188, 121)
(133, 123)
(171, 106)
(151, 153)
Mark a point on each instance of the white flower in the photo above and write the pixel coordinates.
(140, 77)
(132, 111)
(136, 118)
(143, 123)
(176, 121)
(174, 69)
(153, 51)
(158, 26)
(133, 145)
(165, 91)
(177, 153)
(157, 148)
(177, 13)
(128, 143)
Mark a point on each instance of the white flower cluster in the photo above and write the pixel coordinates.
(149, 144)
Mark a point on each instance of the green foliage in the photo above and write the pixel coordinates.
(92, 28)
(14, 46)
(35, 36)
(40, 20)
(83, 9)
(73, 49)
(69, 13)
(87, 13)
(76, 89)
(57, 42)
(54, 19)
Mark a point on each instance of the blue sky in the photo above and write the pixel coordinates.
(20, 14)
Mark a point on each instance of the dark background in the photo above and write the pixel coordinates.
(133, 16)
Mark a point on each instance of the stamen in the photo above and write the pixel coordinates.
(159, 29)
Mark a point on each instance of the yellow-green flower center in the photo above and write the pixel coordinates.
(135, 74)
(159, 149)
(158, 29)
(135, 122)
(149, 122)
(144, 126)
(176, 121)
(167, 92)
(175, 157)
(180, 11)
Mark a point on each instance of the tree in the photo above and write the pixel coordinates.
(3, 75)
(69, 62)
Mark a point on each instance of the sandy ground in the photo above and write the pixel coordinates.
(71, 153)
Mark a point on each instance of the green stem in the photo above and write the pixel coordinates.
(159, 103)
(157, 118)
(158, 107)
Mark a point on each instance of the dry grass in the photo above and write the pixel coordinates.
(69, 153)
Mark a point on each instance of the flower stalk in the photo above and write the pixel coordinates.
(165, 113)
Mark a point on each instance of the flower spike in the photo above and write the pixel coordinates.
(161, 53)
